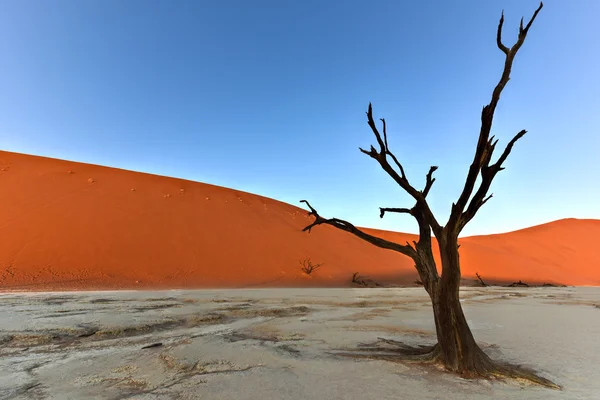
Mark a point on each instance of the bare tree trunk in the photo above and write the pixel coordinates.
(456, 348)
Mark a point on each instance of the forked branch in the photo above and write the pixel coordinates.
(407, 249)
(400, 178)
(485, 144)
(488, 172)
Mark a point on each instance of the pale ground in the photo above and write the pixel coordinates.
(275, 344)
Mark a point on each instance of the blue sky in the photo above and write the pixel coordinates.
(269, 97)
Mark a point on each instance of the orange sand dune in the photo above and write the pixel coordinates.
(67, 225)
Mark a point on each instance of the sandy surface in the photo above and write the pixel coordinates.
(277, 344)
(66, 225)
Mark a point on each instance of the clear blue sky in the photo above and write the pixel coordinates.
(269, 97)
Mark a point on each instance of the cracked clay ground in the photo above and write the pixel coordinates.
(278, 344)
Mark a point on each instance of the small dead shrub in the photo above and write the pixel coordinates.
(308, 267)
(364, 281)
(480, 280)
(518, 284)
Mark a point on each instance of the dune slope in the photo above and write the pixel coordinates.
(67, 225)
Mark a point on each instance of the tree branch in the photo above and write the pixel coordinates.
(407, 249)
(429, 180)
(485, 145)
(524, 31)
(385, 151)
(384, 133)
(508, 149)
(400, 178)
(488, 172)
(382, 211)
(371, 122)
(499, 35)
(426, 266)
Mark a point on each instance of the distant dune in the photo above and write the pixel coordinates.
(67, 225)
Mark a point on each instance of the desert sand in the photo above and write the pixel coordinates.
(67, 225)
(284, 344)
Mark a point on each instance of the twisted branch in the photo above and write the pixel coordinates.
(407, 249)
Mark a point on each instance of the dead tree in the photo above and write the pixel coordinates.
(456, 348)
(364, 281)
(308, 267)
(480, 279)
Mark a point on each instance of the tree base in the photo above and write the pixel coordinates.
(484, 367)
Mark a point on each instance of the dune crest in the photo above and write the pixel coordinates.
(68, 225)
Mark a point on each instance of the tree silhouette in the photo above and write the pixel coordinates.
(456, 348)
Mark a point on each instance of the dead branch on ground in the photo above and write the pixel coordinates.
(480, 279)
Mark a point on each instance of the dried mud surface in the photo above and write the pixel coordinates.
(278, 343)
